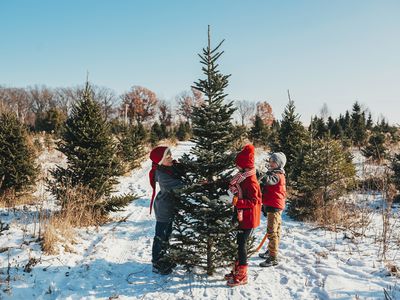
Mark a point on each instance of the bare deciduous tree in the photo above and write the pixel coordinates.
(186, 102)
(65, 97)
(165, 114)
(245, 110)
(41, 98)
(264, 111)
(18, 101)
(324, 112)
(107, 99)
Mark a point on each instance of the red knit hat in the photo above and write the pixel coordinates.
(245, 158)
(157, 156)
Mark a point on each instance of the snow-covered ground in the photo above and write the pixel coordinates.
(113, 261)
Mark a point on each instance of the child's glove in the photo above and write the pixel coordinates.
(233, 197)
(235, 200)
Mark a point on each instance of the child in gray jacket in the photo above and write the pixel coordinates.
(169, 175)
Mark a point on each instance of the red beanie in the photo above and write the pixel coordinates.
(245, 158)
(157, 155)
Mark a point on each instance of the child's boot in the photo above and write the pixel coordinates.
(240, 278)
(264, 255)
(269, 262)
(233, 272)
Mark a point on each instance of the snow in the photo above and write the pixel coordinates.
(113, 261)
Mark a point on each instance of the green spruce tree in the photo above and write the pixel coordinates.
(358, 125)
(91, 156)
(259, 132)
(396, 171)
(291, 137)
(131, 147)
(375, 149)
(326, 172)
(204, 235)
(18, 169)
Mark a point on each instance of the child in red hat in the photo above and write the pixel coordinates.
(247, 202)
(169, 175)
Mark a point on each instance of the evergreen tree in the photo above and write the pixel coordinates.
(358, 126)
(18, 169)
(318, 128)
(131, 147)
(336, 130)
(370, 124)
(396, 171)
(164, 131)
(91, 155)
(156, 134)
(291, 136)
(326, 172)
(375, 148)
(259, 132)
(204, 235)
(50, 121)
(273, 139)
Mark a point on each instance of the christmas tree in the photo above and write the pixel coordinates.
(291, 137)
(259, 132)
(131, 148)
(375, 149)
(91, 156)
(396, 171)
(325, 173)
(18, 170)
(204, 235)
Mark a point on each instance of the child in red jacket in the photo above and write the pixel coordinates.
(273, 185)
(247, 202)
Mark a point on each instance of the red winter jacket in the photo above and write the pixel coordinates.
(250, 203)
(274, 190)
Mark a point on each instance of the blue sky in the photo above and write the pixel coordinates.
(333, 52)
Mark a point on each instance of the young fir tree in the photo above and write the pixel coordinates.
(291, 136)
(375, 149)
(259, 132)
(326, 172)
(396, 171)
(318, 128)
(204, 235)
(18, 169)
(359, 132)
(131, 147)
(91, 156)
(156, 134)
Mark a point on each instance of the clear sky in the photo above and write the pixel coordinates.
(333, 52)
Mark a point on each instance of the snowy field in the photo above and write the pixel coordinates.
(113, 261)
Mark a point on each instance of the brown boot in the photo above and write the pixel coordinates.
(239, 278)
(233, 272)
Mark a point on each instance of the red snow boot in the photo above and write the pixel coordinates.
(233, 272)
(240, 278)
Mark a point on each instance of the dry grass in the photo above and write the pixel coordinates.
(10, 199)
(57, 231)
(342, 215)
(80, 209)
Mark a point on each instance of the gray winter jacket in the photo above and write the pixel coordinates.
(164, 206)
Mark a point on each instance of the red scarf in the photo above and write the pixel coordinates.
(234, 184)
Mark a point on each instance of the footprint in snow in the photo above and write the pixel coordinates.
(284, 280)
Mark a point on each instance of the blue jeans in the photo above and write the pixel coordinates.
(161, 238)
